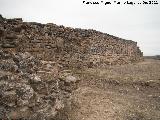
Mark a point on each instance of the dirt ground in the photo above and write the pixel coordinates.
(121, 92)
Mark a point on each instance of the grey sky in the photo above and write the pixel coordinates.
(140, 23)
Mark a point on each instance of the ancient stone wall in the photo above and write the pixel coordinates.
(67, 46)
(34, 83)
(32, 89)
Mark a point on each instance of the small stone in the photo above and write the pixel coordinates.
(1, 18)
(7, 45)
(71, 79)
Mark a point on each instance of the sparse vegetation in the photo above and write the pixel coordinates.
(126, 92)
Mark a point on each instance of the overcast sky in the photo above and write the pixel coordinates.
(139, 23)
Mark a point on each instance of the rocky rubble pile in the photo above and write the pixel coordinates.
(65, 45)
(31, 88)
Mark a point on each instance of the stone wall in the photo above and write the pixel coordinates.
(67, 46)
(34, 58)
(32, 89)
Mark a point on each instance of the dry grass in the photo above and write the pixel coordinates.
(127, 92)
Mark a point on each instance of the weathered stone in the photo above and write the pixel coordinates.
(63, 44)
(68, 82)
(11, 36)
(1, 18)
(8, 45)
(24, 93)
(33, 57)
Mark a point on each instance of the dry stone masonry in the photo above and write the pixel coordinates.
(34, 59)
(32, 89)
(67, 46)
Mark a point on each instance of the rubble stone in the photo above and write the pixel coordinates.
(24, 92)
(33, 57)
(67, 46)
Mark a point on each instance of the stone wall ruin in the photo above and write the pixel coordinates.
(68, 46)
(34, 58)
